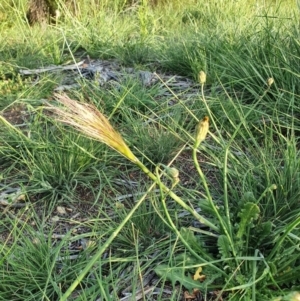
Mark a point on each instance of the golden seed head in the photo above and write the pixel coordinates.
(91, 122)
(270, 81)
(202, 77)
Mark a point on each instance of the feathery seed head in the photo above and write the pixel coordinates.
(90, 121)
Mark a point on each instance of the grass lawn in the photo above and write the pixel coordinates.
(149, 150)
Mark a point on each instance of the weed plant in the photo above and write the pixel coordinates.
(199, 196)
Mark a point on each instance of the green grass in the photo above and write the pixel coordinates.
(120, 228)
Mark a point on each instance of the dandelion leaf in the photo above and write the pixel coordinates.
(224, 246)
(248, 197)
(249, 213)
(177, 275)
(263, 232)
(191, 239)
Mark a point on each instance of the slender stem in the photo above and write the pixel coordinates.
(226, 204)
(9, 125)
(225, 183)
(204, 182)
(104, 246)
(254, 271)
(225, 170)
(187, 245)
(176, 198)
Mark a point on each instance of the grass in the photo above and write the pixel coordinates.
(88, 223)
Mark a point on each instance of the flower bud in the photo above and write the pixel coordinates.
(172, 172)
(202, 77)
(270, 81)
(201, 130)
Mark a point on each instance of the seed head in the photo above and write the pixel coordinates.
(90, 121)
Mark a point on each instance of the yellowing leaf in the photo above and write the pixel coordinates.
(198, 275)
(61, 210)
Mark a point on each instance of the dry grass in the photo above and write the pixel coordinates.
(91, 122)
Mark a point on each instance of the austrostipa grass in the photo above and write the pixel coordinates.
(93, 124)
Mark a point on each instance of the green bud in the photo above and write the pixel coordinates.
(172, 172)
(270, 81)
